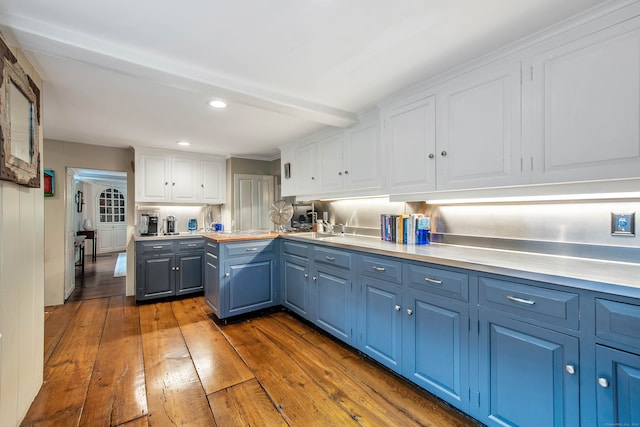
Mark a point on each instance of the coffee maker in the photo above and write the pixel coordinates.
(148, 224)
(170, 225)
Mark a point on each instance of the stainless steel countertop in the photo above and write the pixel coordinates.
(184, 235)
(620, 278)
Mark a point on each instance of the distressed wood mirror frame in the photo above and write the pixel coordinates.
(19, 123)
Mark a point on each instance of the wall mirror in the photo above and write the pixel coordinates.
(19, 123)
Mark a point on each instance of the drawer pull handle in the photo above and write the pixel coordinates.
(397, 308)
(252, 249)
(158, 247)
(330, 258)
(192, 245)
(376, 268)
(603, 382)
(520, 300)
(434, 281)
(570, 369)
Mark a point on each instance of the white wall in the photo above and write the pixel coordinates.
(21, 292)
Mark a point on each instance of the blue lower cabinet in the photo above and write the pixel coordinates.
(436, 345)
(295, 282)
(250, 285)
(528, 375)
(618, 387)
(330, 302)
(212, 292)
(380, 322)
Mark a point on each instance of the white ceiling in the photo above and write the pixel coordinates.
(140, 73)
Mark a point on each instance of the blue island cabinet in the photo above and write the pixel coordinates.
(247, 277)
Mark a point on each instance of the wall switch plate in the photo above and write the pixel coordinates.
(623, 224)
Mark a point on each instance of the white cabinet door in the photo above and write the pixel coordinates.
(307, 171)
(153, 178)
(586, 108)
(119, 237)
(183, 180)
(479, 129)
(331, 167)
(213, 182)
(410, 140)
(361, 158)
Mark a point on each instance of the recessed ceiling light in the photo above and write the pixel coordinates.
(185, 143)
(218, 103)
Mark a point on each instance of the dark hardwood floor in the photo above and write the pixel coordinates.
(98, 279)
(110, 362)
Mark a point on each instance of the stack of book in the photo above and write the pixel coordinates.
(405, 229)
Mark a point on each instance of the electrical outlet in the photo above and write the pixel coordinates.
(623, 224)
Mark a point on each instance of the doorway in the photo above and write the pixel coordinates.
(96, 209)
(252, 196)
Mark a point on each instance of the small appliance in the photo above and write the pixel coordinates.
(192, 225)
(152, 228)
(170, 225)
(144, 224)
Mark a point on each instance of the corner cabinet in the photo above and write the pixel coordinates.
(165, 176)
(242, 277)
(167, 268)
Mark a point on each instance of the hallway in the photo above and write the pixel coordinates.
(98, 279)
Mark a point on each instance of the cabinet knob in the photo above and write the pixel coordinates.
(173, 183)
(202, 185)
(173, 269)
(340, 173)
(409, 311)
(306, 275)
(570, 369)
(443, 153)
(603, 382)
(177, 268)
(346, 172)
(431, 156)
(314, 278)
(227, 274)
(166, 183)
(312, 178)
(397, 308)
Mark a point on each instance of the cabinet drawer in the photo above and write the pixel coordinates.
(249, 248)
(295, 248)
(157, 247)
(618, 321)
(332, 257)
(190, 245)
(438, 281)
(211, 247)
(556, 307)
(382, 268)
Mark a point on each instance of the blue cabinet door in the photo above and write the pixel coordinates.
(212, 282)
(330, 305)
(618, 379)
(295, 274)
(380, 322)
(189, 273)
(249, 285)
(528, 374)
(156, 277)
(436, 345)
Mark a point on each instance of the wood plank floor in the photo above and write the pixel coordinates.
(109, 362)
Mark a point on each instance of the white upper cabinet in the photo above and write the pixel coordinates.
(479, 129)
(213, 181)
(164, 176)
(153, 177)
(331, 163)
(361, 157)
(409, 136)
(586, 107)
(306, 170)
(184, 174)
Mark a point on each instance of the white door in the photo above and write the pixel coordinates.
(152, 184)
(252, 195)
(306, 170)
(112, 216)
(70, 235)
(183, 180)
(213, 182)
(331, 169)
(410, 138)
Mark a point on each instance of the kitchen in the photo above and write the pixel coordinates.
(554, 197)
